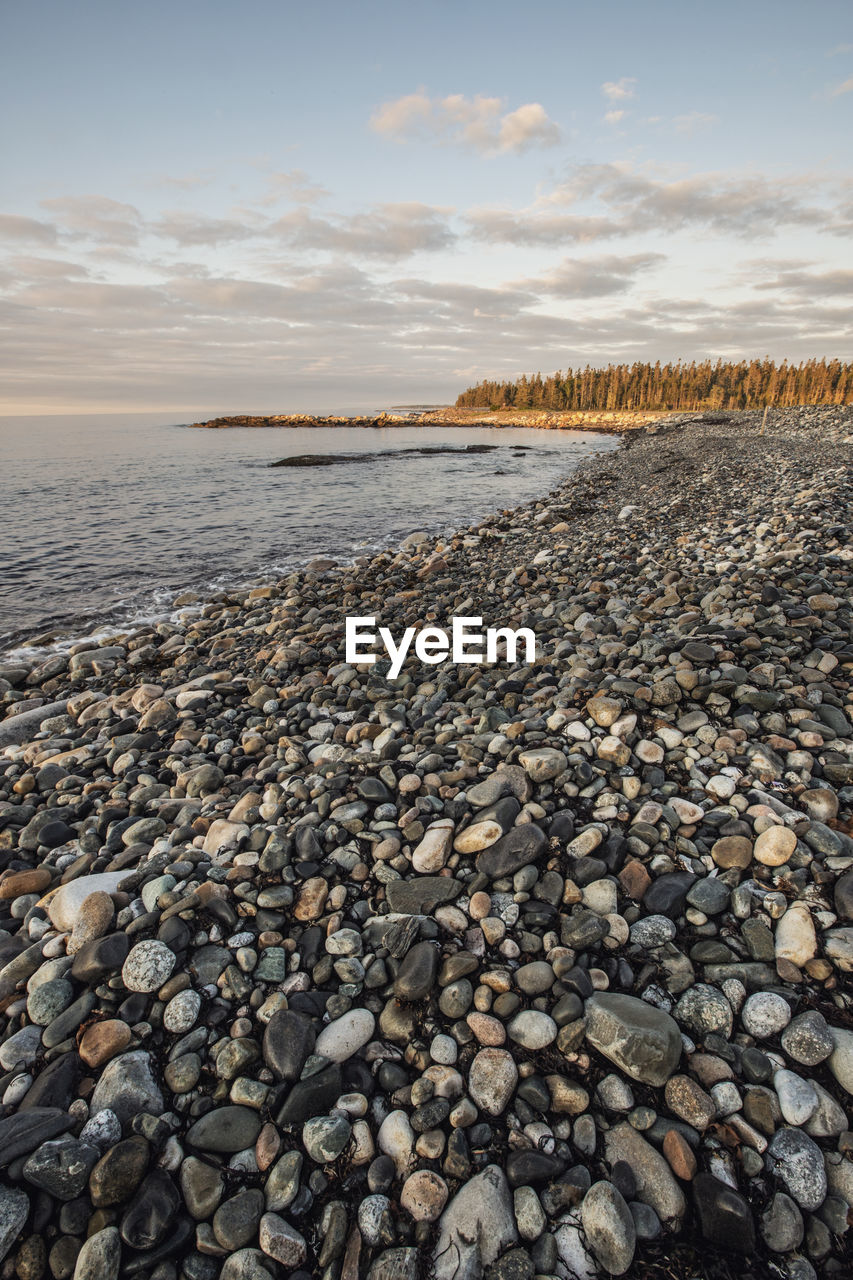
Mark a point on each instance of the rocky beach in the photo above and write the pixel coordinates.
(510, 971)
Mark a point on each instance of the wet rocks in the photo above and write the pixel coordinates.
(476, 1227)
(343, 1038)
(609, 1228)
(725, 1217)
(225, 1130)
(147, 966)
(642, 1041)
(281, 935)
(798, 1162)
(492, 1080)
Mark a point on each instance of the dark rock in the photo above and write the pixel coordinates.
(100, 958)
(725, 1218)
(421, 896)
(666, 895)
(22, 1133)
(525, 1168)
(225, 1130)
(312, 1097)
(518, 848)
(288, 1041)
(417, 973)
(57, 1084)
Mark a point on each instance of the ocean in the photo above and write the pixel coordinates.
(106, 519)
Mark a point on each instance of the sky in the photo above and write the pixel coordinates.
(273, 206)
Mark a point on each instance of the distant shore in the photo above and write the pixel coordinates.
(611, 421)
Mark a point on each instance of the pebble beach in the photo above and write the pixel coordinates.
(500, 972)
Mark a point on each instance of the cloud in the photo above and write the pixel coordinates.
(613, 117)
(480, 123)
(527, 126)
(386, 231)
(617, 201)
(98, 218)
(811, 284)
(338, 336)
(530, 229)
(846, 86)
(592, 277)
(194, 230)
(294, 185)
(14, 227)
(618, 90)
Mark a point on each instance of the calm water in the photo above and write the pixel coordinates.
(106, 519)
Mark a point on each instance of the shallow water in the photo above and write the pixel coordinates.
(105, 519)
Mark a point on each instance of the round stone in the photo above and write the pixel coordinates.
(765, 1014)
(424, 1195)
(782, 1224)
(798, 1161)
(532, 1029)
(433, 850)
(444, 1050)
(774, 846)
(652, 931)
(705, 1010)
(807, 1038)
(148, 965)
(797, 1098)
(492, 1080)
(732, 851)
(609, 1228)
(795, 939)
(47, 1001)
(342, 1039)
(278, 1240)
(103, 1040)
(182, 1011)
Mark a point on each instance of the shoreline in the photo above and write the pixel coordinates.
(563, 943)
(606, 421)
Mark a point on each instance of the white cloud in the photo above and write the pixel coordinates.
(294, 185)
(846, 86)
(195, 229)
(15, 227)
(385, 231)
(481, 123)
(98, 218)
(592, 277)
(527, 126)
(613, 117)
(618, 90)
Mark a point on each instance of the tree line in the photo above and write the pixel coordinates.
(698, 385)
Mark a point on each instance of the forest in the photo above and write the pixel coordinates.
(703, 385)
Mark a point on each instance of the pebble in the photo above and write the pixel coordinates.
(765, 1014)
(798, 1161)
(609, 1228)
(343, 1038)
(492, 1079)
(424, 1195)
(477, 1225)
(638, 1038)
(147, 966)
